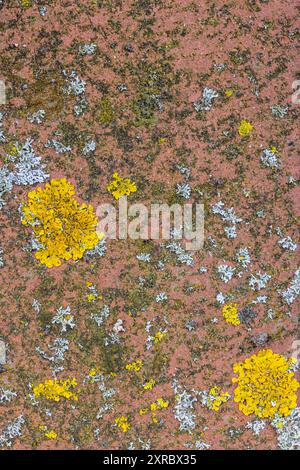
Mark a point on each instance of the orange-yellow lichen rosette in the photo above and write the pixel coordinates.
(119, 187)
(265, 385)
(63, 229)
(56, 389)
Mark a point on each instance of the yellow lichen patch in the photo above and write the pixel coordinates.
(162, 403)
(56, 389)
(122, 423)
(155, 406)
(266, 385)
(244, 128)
(63, 228)
(158, 337)
(93, 294)
(230, 314)
(121, 186)
(216, 398)
(159, 404)
(51, 434)
(94, 371)
(11, 149)
(134, 366)
(26, 3)
(91, 297)
(149, 385)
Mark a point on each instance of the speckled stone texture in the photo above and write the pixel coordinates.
(155, 90)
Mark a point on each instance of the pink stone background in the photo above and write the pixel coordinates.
(181, 41)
